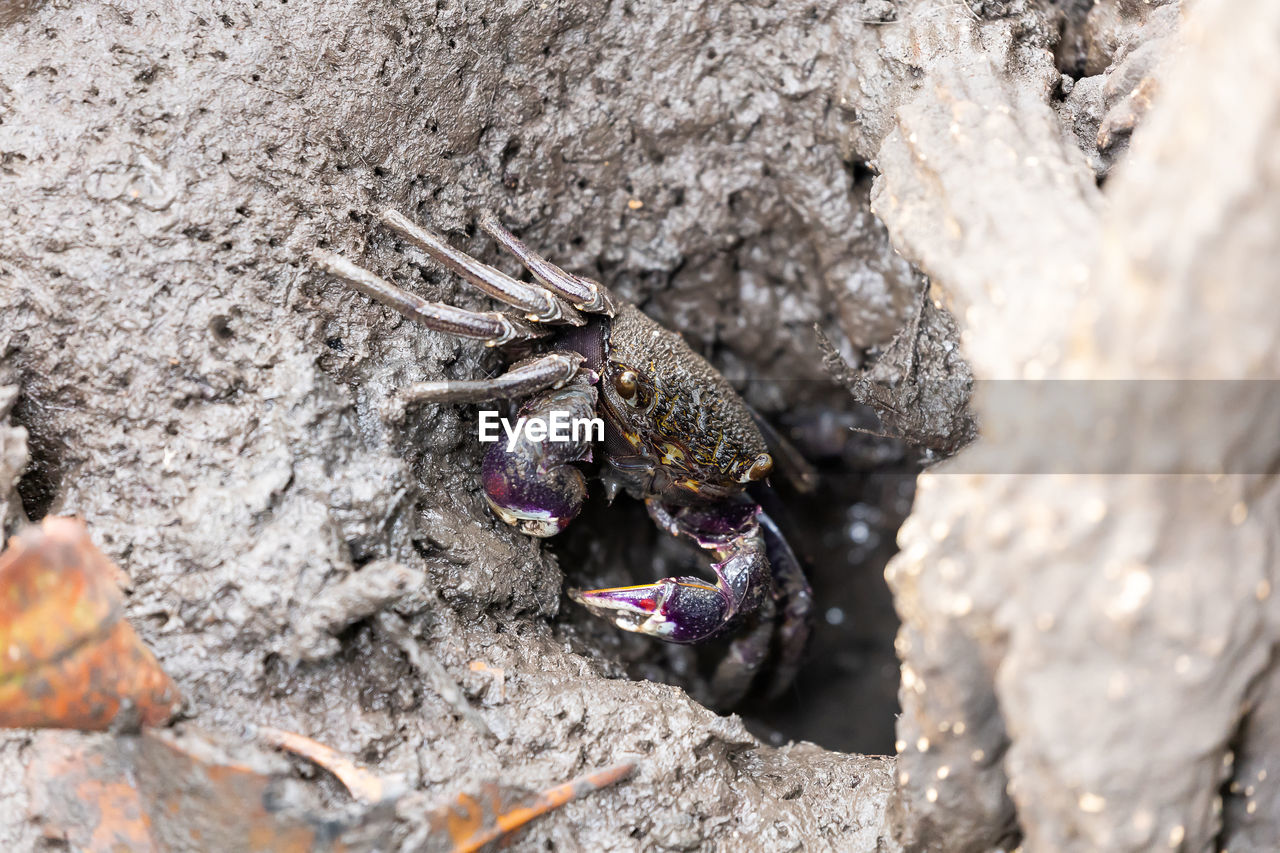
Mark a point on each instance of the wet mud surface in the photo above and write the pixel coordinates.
(176, 374)
(214, 409)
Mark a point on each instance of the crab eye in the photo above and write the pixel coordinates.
(760, 468)
(625, 383)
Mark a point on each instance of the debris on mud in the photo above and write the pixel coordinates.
(919, 386)
(70, 659)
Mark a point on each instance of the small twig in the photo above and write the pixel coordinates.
(473, 820)
(554, 798)
(364, 784)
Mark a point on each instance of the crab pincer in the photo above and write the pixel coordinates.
(688, 609)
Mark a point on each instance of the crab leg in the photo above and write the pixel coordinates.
(585, 294)
(552, 370)
(795, 598)
(538, 304)
(686, 609)
(744, 658)
(492, 327)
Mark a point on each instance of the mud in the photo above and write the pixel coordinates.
(13, 460)
(215, 410)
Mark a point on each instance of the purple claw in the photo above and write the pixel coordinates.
(535, 503)
(533, 485)
(678, 610)
(689, 610)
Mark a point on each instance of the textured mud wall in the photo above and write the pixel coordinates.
(213, 409)
(13, 459)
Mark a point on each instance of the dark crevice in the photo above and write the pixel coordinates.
(41, 483)
(845, 696)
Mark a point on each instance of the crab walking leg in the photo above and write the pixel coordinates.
(746, 655)
(537, 303)
(492, 327)
(528, 377)
(533, 485)
(795, 600)
(689, 610)
(585, 294)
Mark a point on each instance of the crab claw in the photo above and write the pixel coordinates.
(756, 574)
(678, 610)
(534, 485)
(536, 499)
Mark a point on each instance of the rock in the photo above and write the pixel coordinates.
(1068, 660)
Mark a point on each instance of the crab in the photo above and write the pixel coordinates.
(676, 436)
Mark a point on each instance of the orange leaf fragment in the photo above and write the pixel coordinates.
(184, 790)
(81, 794)
(67, 656)
(205, 792)
(499, 674)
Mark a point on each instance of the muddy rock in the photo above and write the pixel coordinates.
(1072, 675)
(1102, 108)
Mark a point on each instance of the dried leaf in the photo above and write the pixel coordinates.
(170, 790)
(67, 656)
(200, 796)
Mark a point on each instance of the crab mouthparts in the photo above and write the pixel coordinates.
(536, 522)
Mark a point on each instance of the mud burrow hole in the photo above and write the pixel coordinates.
(844, 532)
